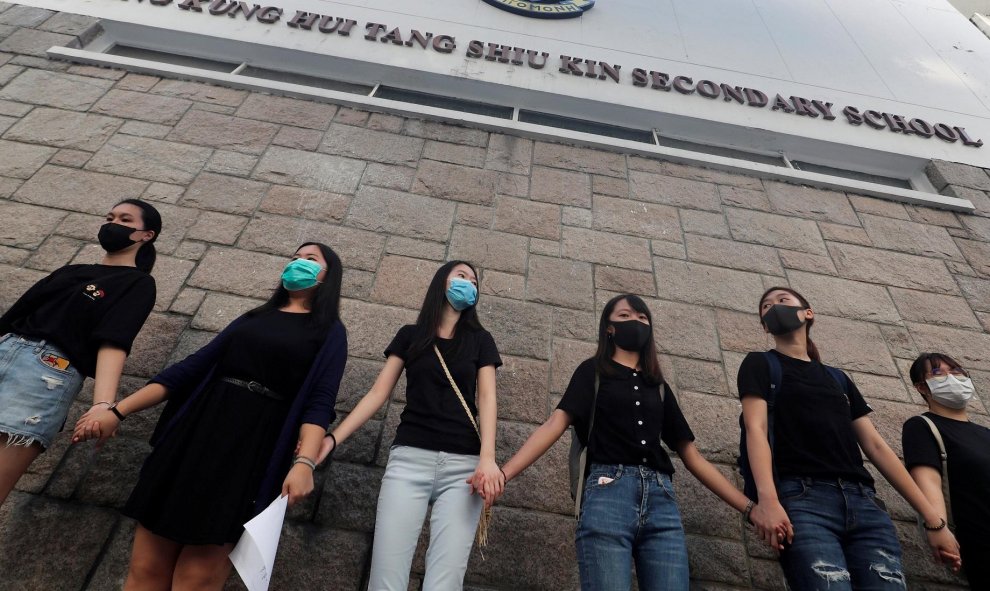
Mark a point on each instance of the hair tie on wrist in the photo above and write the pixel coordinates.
(113, 408)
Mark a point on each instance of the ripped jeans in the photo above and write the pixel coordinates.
(843, 540)
(37, 387)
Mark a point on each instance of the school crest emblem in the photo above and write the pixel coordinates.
(545, 8)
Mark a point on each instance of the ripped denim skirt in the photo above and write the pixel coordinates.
(37, 387)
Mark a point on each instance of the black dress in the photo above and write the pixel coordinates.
(199, 484)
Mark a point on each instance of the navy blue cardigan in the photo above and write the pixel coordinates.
(314, 403)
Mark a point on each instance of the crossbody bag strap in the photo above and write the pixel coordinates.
(457, 391)
(481, 535)
(944, 457)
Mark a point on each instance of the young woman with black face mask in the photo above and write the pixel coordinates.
(444, 446)
(223, 448)
(628, 511)
(76, 323)
(943, 446)
(818, 500)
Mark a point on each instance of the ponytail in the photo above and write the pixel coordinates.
(146, 254)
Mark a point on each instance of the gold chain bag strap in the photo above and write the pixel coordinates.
(481, 537)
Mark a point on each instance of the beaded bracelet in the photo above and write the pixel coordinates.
(748, 510)
(941, 525)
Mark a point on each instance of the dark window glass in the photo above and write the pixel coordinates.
(720, 151)
(853, 174)
(305, 80)
(443, 102)
(172, 58)
(559, 121)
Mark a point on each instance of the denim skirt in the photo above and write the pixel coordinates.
(37, 387)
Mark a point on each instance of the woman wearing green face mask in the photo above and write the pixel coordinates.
(224, 443)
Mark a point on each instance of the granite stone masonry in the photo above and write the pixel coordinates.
(242, 178)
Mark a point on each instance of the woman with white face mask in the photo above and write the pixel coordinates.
(947, 389)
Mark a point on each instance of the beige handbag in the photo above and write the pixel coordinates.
(481, 537)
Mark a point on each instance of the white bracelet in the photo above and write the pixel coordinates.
(304, 460)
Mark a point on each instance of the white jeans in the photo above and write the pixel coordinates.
(414, 479)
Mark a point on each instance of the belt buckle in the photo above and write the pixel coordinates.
(255, 387)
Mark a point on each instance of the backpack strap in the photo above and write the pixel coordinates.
(944, 457)
(583, 461)
(841, 379)
(776, 377)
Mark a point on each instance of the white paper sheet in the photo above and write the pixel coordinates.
(254, 554)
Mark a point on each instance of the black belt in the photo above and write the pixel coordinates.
(255, 387)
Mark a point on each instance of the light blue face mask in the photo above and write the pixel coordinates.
(300, 274)
(461, 294)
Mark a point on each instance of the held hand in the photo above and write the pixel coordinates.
(326, 448)
(298, 483)
(945, 548)
(488, 481)
(97, 423)
(772, 524)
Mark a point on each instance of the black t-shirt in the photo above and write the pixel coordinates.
(275, 349)
(813, 432)
(434, 418)
(967, 447)
(82, 307)
(630, 418)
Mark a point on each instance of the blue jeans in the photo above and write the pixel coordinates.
(843, 540)
(632, 517)
(414, 479)
(37, 387)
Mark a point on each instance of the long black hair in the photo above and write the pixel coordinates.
(428, 321)
(812, 347)
(152, 220)
(648, 358)
(325, 306)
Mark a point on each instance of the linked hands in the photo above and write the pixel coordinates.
(96, 423)
(772, 524)
(945, 548)
(488, 481)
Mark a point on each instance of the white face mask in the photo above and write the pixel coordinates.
(952, 392)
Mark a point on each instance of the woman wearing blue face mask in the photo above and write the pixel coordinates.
(223, 445)
(445, 438)
(943, 446)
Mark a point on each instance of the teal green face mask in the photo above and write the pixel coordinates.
(300, 274)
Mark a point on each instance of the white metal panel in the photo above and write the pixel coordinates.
(749, 48)
(825, 60)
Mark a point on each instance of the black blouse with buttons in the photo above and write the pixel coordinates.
(630, 420)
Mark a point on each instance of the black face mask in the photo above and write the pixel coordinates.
(631, 335)
(781, 319)
(114, 237)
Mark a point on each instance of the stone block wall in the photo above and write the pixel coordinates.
(243, 178)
